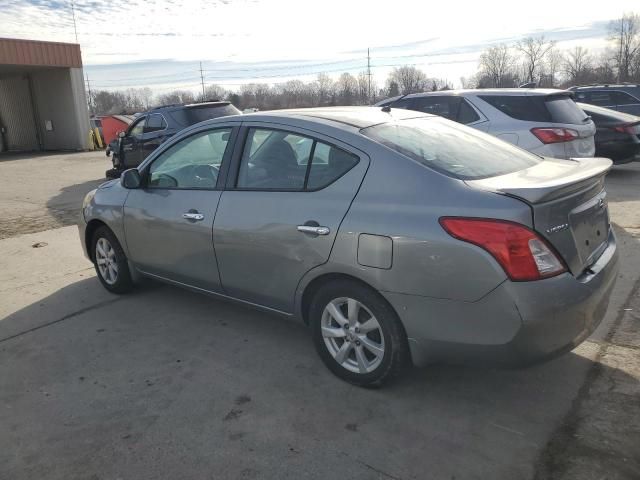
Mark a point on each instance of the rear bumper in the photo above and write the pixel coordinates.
(518, 323)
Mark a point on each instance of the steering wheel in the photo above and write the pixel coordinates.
(206, 175)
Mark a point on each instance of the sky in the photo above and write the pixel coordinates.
(160, 43)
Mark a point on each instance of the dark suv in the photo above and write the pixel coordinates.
(623, 98)
(153, 127)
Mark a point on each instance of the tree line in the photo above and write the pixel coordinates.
(532, 60)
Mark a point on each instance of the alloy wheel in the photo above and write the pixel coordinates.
(106, 261)
(352, 335)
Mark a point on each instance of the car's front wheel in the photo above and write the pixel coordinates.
(358, 334)
(111, 262)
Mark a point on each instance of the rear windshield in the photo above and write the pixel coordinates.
(538, 108)
(450, 148)
(193, 115)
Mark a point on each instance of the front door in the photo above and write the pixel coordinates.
(168, 223)
(286, 197)
(130, 144)
(155, 132)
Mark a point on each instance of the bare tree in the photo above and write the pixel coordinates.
(176, 96)
(215, 92)
(533, 51)
(625, 33)
(577, 64)
(497, 64)
(409, 79)
(346, 89)
(551, 67)
(323, 87)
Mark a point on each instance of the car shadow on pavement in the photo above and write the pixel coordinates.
(165, 383)
(66, 206)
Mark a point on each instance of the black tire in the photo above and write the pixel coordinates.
(122, 282)
(396, 356)
(112, 173)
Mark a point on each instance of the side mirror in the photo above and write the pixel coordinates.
(121, 134)
(131, 178)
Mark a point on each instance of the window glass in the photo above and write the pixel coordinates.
(454, 150)
(155, 122)
(192, 163)
(446, 107)
(622, 98)
(329, 163)
(137, 128)
(520, 107)
(274, 160)
(601, 98)
(466, 113)
(191, 115)
(538, 108)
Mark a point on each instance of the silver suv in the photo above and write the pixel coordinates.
(543, 121)
(623, 98)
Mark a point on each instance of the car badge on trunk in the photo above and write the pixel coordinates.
(557, 228)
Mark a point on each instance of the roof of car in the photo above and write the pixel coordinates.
(359, 117)
(175, 106)
(605, 85)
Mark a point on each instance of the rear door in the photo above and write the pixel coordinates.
(287, 194)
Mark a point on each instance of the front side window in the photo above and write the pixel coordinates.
(280, 160)
(457, 151)
(193, 162)
(155, 122)
(137, 129)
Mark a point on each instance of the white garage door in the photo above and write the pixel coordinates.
(16, 115)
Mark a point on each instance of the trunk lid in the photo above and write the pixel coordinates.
(569, 205)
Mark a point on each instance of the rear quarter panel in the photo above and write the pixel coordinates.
(403, 200)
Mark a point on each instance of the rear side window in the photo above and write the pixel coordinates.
(280, 160)
(454, 150)
(446, 107)
(467, 114)
(622, 98)
(193, 115)
(538, 108)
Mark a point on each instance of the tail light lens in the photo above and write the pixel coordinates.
(521, 252)
(632, 129)
(555, 135)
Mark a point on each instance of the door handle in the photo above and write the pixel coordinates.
(193, 216)
(313, 229)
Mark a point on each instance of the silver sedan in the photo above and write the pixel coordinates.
(398, 237)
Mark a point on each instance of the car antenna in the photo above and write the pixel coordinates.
(387, 108)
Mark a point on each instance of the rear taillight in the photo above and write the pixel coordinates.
(555, 135)
(521, 252)
(631, 129)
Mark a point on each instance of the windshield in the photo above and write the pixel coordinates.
(452, 149)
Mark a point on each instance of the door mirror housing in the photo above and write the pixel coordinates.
(131, 179)
(121, 134)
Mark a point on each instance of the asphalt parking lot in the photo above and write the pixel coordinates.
(165, 383)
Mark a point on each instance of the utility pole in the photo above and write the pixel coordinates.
(90, 96)
(202, 80)
(73, 14)
(369, 75)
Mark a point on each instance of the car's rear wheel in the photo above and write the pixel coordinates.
(357, 334)
(111, 262)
